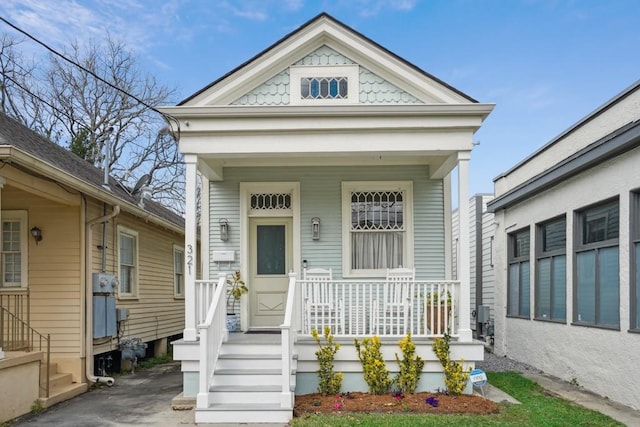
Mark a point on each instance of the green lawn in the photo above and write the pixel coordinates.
(537, 409)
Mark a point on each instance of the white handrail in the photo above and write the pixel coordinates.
(213, 332)
(288, 335)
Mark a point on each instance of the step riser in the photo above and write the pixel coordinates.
(244, 397)
(60, 380)
(246, 380)
(228, 417)
(244, 363)
(251, 349)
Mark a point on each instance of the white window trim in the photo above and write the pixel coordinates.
(177, 248)
(135, 285)
(351, 72)
(347, 188)
(22, 216)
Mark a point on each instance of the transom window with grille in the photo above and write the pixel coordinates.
(518, 304)
(597, 284)
(14, 244)
(551, 271)
(128, 262)
(324, 87)
(378, 226)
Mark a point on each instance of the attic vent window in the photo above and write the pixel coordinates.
(324, 87)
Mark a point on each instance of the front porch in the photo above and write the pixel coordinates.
(224, 371)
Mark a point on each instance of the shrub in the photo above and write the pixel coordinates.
(410, 366)
(375, 370)
(329, 381)
(455, 378)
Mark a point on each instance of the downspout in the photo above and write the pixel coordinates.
(89, 301)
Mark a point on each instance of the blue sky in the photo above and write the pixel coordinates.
(544, 63)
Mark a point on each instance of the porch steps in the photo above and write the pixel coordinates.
(61, 386)
(246, 385)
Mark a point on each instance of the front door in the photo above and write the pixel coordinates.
(271, 260)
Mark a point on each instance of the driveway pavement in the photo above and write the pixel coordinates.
(141, 399)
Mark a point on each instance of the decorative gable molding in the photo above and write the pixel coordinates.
(325, 41)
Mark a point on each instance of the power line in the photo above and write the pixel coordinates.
(167, 117)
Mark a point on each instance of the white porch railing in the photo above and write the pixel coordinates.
(426, 309)
(288, 335)
(204, 294)
(213, 331)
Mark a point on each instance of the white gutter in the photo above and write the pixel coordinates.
(89, 301)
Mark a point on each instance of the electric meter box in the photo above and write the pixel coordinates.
(104, 283)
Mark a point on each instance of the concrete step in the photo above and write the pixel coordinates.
(60, 380)
(62, 393)
(243, 413)
(245, 394)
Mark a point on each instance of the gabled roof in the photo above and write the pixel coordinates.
(14, 134)
(324, 27)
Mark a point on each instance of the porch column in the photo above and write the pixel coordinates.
(464, 263)
(190, 248)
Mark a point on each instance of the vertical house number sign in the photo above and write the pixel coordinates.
(189, 257)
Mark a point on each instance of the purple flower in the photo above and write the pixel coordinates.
(432, 401)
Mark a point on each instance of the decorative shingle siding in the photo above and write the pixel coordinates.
(373, 89)
(320, 196)
(274, 91)
(325, 56)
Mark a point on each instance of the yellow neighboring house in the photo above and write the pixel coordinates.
(91, 273)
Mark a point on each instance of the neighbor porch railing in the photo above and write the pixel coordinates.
(16, 334)
(355, 307)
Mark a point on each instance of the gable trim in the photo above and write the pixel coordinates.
(300, 30)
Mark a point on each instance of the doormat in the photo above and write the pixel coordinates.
(264, 331)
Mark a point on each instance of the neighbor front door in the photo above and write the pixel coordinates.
(271, 259)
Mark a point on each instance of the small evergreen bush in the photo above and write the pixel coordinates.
(374, 368)
(329, 381)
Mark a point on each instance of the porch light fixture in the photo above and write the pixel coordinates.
(37, 234)
(224, 229)
(315, 228)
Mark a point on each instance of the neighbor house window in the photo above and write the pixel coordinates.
(635, 261)
(519, 278)
(377, 220)
(178, 271)
(14, 249)
(128, 262)
(551, 270)
(597, 266)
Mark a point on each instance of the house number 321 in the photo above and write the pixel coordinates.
(189, 257)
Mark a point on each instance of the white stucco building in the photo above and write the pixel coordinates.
(567, 253)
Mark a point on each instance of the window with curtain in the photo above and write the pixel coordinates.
(178, 271)
(597, 287)
(14, 243)
(128, 262)
(518, 290)
(551, 271)
(377, 227)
